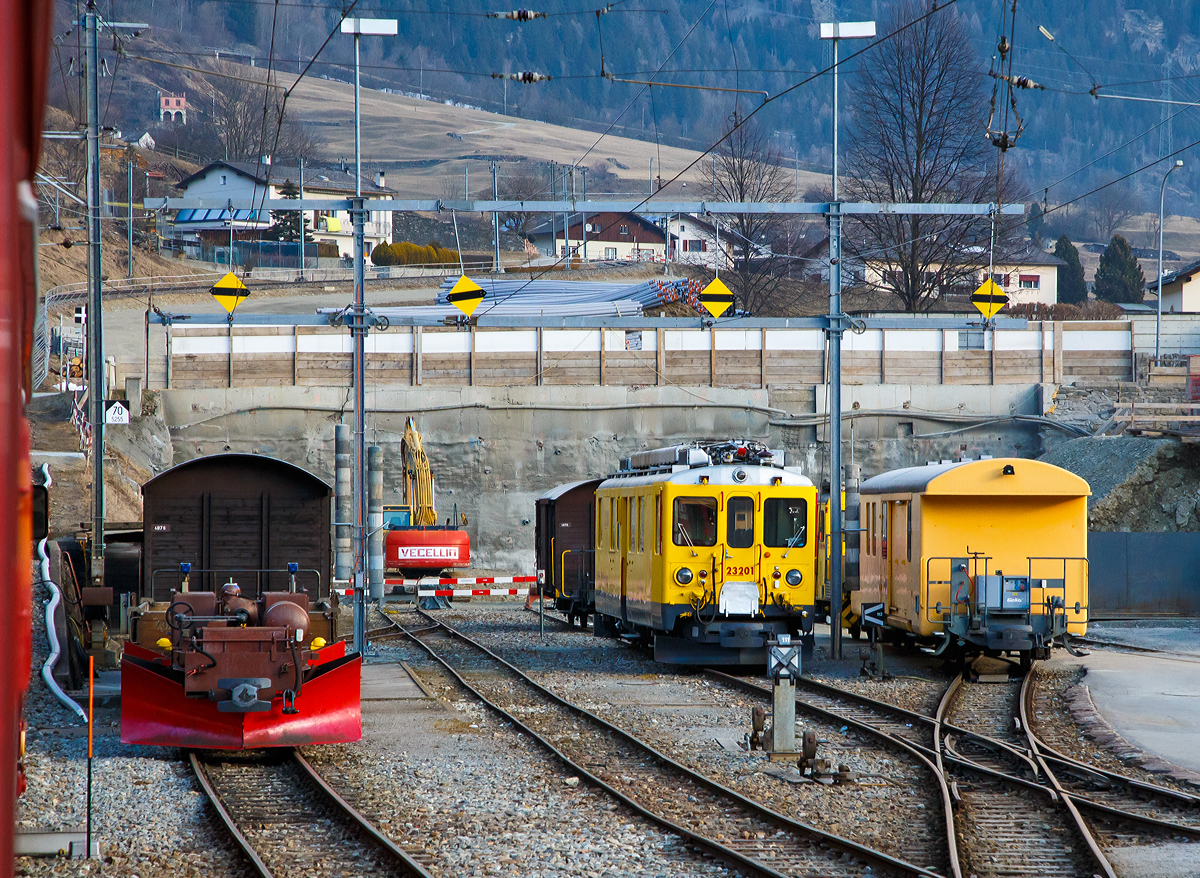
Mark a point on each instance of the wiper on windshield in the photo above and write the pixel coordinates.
(794, 540)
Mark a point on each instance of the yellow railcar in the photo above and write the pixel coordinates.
(990, 555)
(707, 559)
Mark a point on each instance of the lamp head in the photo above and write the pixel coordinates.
(1179, 163)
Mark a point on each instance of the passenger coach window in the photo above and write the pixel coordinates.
(908, 536)
(695, 521)
(658, 524)
(632, 524)
(785, 522)
(641, 524)
(872, 546)
(739, 526)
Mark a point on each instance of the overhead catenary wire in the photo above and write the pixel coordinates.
(262, 132)
(745, 120)
(624, 111)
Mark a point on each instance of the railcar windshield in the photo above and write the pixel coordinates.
(785, 522)
(695, 521)
(739, 528)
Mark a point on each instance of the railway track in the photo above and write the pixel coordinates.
(925, 841)
(985, 747)
(290, 823)
(1109, 795)
(716, 821)
(1008, 824)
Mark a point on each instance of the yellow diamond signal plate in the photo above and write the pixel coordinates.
(989, 298)
(230, 291)
(716, 298)
(465, 295)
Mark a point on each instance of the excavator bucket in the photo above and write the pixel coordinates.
(155, 710)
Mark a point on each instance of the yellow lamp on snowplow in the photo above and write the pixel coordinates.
(317, 643)
(163, 643)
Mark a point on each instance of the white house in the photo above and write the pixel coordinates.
(1028, 277)
(695, 242)
(245, 181)
(610, 236)
(1181, 289)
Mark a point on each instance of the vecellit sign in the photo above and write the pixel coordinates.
(427, 553)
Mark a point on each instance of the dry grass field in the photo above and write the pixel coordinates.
(396, 129)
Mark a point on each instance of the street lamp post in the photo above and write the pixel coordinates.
(842, 30)
(1158, 311)
(837, 31)
(358, 320)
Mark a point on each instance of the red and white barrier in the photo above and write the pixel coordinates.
(463, 580)
(428, 587)
(467, 592)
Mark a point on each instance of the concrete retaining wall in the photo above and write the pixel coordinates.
(758, 356)
(494, 450)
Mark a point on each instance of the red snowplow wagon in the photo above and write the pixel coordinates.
(231, 648)
(236, 673)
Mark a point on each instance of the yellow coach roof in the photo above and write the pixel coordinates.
(981, 477)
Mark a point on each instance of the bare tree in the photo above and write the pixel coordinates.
(916, 135)
(523, 184)
(749, 169)
(65, 161)
(250, 120)
(1110, 208)
(1149, 231)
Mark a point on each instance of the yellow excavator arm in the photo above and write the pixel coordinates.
(418, 478)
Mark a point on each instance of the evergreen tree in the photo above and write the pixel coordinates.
(1036, 221)
(1072, 288)
(1119, 277)
(285, 224)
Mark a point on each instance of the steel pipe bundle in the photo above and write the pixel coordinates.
(548, 308)
(509, 293)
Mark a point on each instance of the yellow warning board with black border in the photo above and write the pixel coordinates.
(989, 298)
(716, 298)
(465, 295)
(230, 291)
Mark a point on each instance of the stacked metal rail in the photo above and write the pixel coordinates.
(550, 307)
(539, 292)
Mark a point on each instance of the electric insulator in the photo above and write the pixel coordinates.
(525, 76)
(518, 15)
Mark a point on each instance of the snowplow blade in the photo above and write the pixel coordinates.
(155, 711)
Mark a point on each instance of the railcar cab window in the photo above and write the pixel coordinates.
(785, 522)
(695, 521)
(739, 526)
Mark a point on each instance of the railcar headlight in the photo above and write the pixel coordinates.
(794, 577)
(683, 575)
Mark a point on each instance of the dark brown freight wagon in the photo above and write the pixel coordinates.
(563, 540)
(235, 643)
(235, 516)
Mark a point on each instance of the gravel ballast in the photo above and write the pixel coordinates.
(699, 722)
